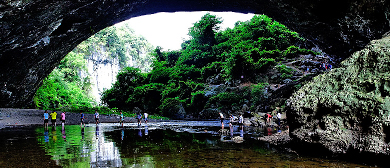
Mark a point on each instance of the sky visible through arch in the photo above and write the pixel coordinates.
(169, 30)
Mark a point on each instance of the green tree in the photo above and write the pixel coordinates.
(198, 50)
(177, 81)
(64, 89)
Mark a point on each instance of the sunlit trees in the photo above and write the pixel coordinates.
(64, 89)
(176, 85)
(198, 50)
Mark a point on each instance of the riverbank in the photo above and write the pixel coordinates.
(10, 117)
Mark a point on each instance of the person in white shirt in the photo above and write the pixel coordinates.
(241, 120)
(278, 116)
(222, 118)
(146, 117)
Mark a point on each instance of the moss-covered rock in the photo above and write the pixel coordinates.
(347, 109)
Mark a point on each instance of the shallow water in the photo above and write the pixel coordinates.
(166, 144)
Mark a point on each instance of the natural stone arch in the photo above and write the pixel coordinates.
(36, 35)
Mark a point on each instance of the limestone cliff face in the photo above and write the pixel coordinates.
(36, 35)
(102, 73)
(348, 108)
(102, 69)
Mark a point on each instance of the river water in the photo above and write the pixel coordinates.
(163, 144)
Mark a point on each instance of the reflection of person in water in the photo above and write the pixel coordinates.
(122, 134)
(269, 131)
(241, 131)
(54, 134)
(82, 132)
(46, 135)
(97, 131)
(231, 130)
(63, 133)
(139, 132)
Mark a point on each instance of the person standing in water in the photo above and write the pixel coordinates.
(241, 120)
(53, 118)
(139, 117)
(146, 118)
(278, 116)
(121, 119)
(96, 117)
(222, 118)
(63, 119)
(46, 119)
(82, 117)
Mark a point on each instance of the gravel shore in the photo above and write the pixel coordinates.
(10, 117)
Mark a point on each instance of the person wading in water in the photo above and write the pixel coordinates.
(46, 119)
(222, 118)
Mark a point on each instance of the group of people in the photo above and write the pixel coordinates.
(267, 117)
(53, 116)
(232, 119)
(139, 118)
(82, 118)
(325, 66)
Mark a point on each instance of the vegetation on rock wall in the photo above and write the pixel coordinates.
(214, 71)
(66, 89)
(118, 42)
(63, 88)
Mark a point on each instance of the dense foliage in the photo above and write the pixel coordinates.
(68, 87)
(64, 89)
(188, 81)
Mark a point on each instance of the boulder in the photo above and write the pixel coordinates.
(347, 109)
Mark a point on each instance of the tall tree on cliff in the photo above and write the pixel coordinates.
(198, 50)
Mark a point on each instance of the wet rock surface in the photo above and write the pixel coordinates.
(347, 110)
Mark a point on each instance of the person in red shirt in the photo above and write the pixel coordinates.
(269, 116)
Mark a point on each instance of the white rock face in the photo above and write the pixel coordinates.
(102, 70)
(102, 73)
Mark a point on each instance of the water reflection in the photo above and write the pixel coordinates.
(46, 135)
(231, 138)
(169, 145)
(63, 133)
(106, 154)
(139, 131)
(80, 147)
(122, 134)
(97, 131)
